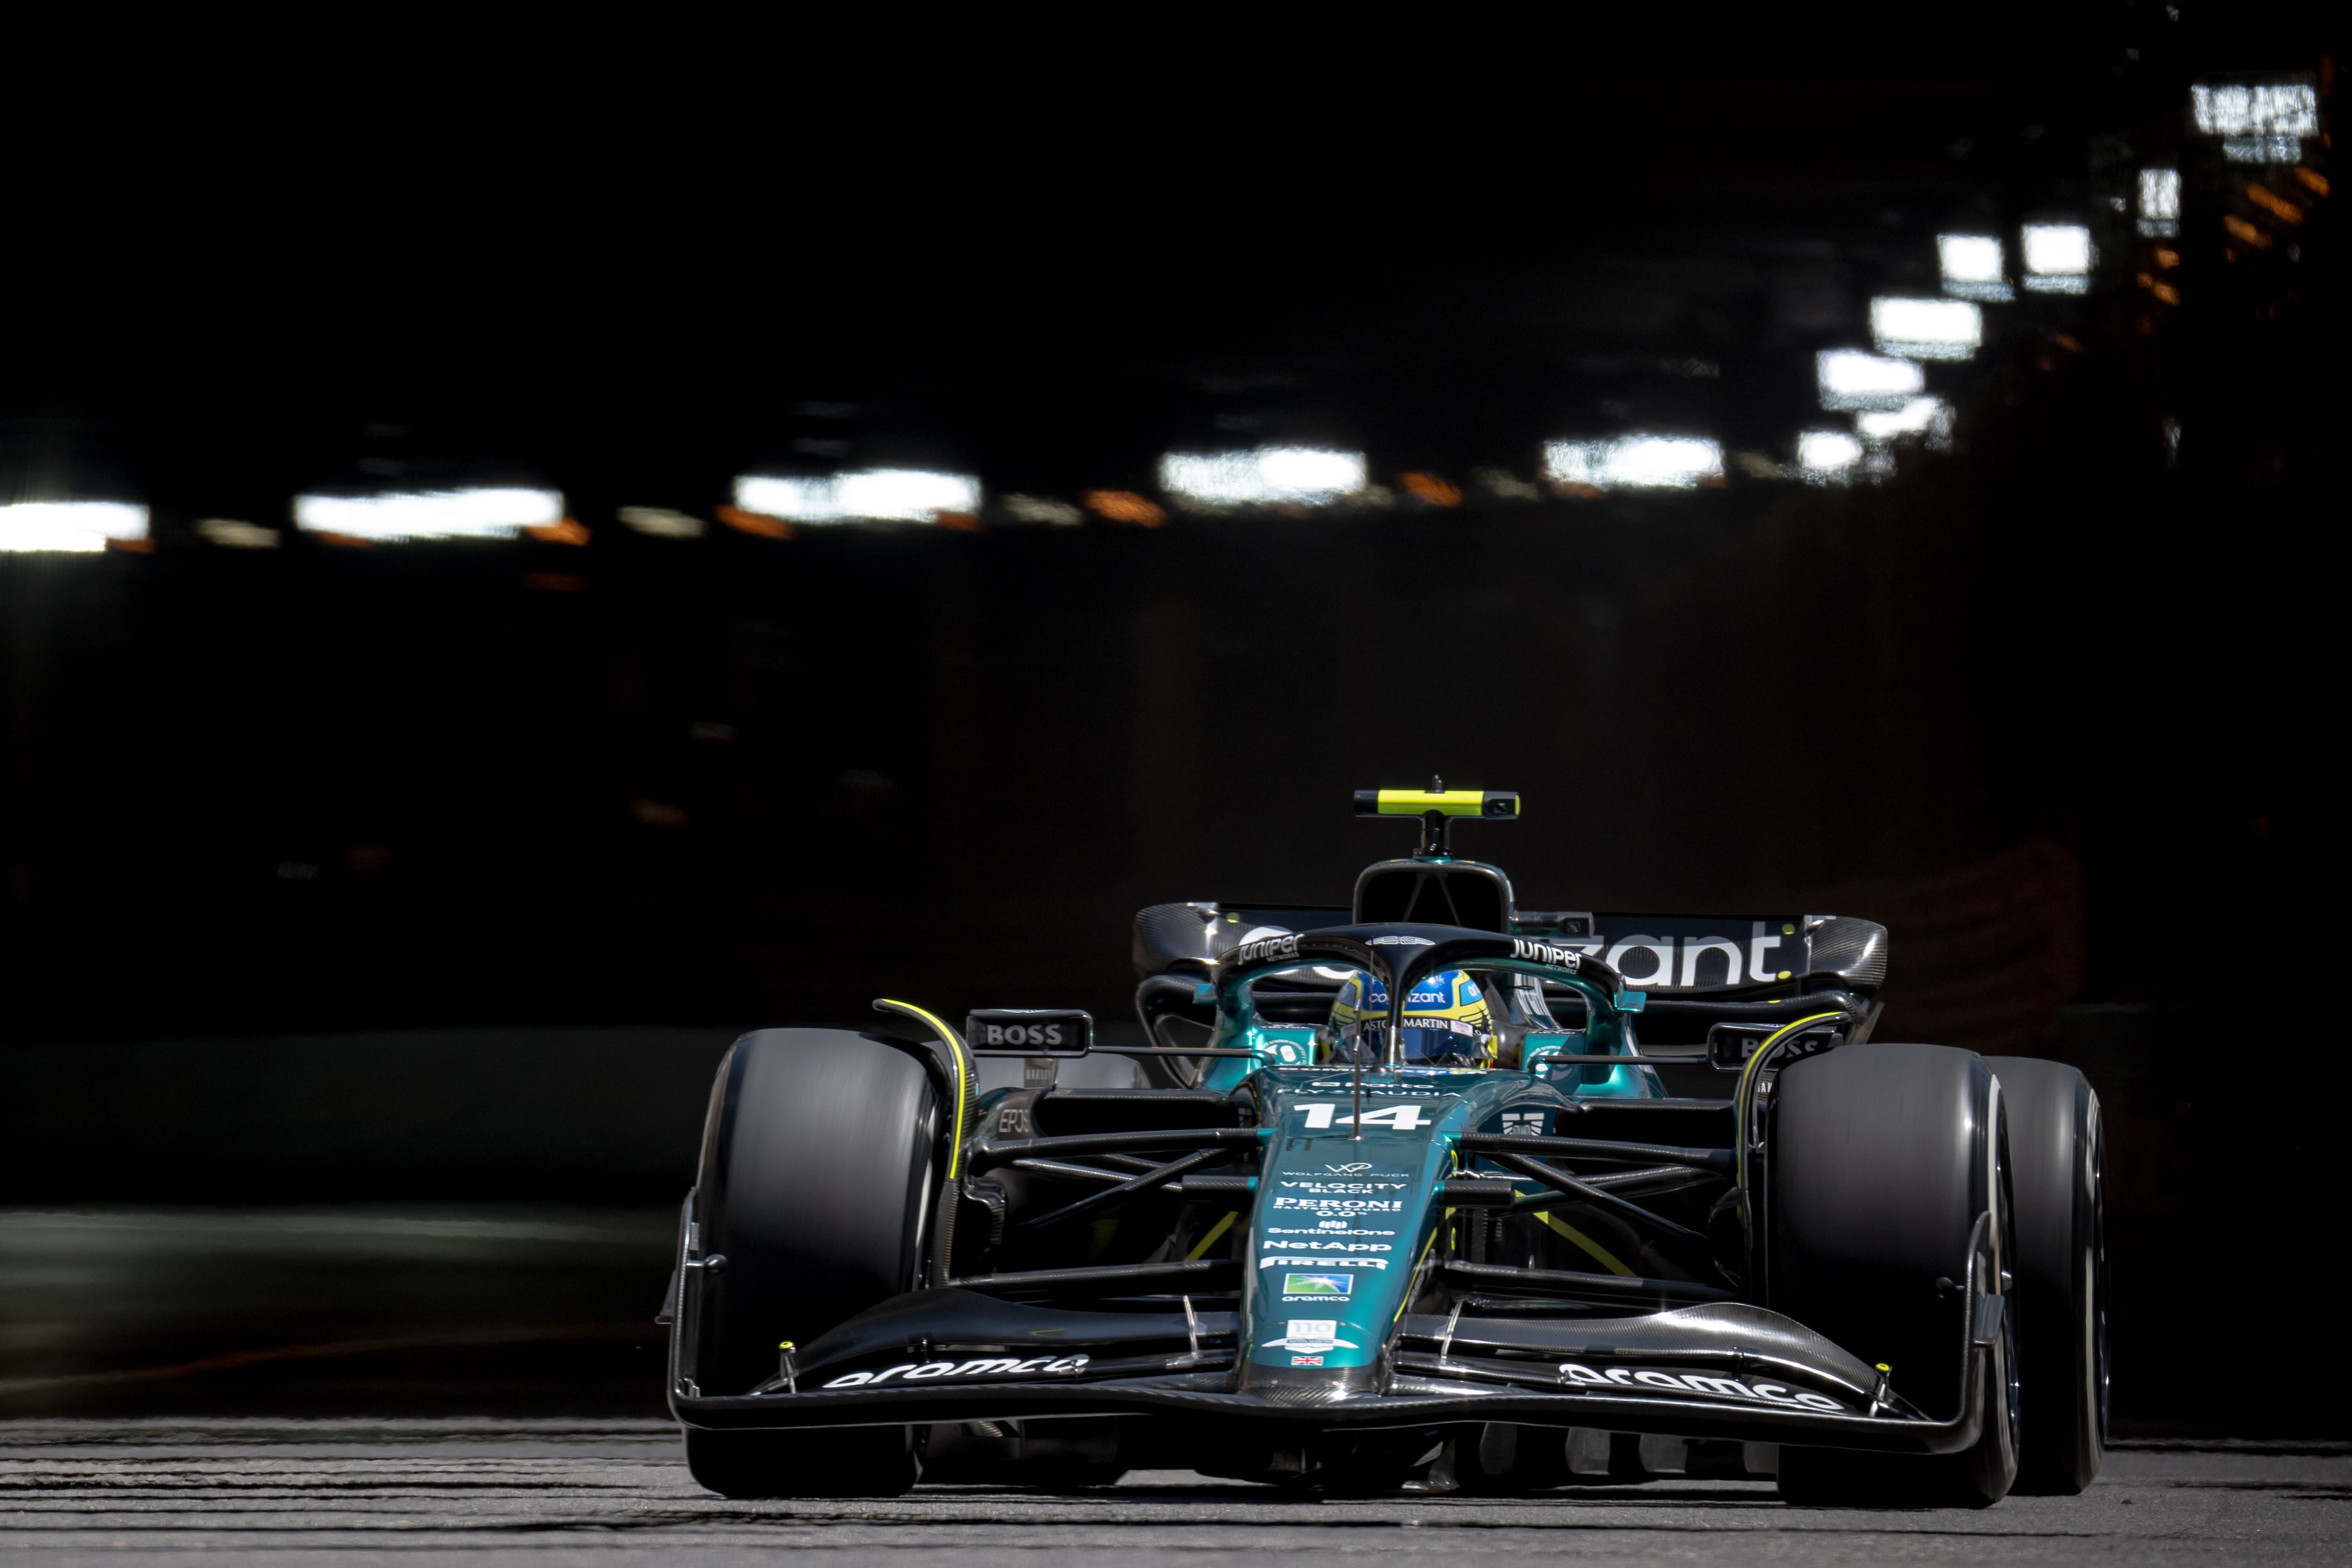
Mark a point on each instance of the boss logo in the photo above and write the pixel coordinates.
(1544, 953)
(1023, 1034)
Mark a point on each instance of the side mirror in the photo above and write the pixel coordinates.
(1730, 1045)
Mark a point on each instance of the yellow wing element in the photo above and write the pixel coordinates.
(957, 1049)
(1489, 803)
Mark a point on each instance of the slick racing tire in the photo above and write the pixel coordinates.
(818, 1166)
(2056, 1147)
(855, 1461)
(1880, 1161)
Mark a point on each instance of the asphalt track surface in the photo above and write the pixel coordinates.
(542, 1492)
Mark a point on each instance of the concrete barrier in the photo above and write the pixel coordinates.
(595, 1115)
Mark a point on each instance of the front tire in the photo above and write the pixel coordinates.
(2057, 1147)
(1882, 1159)
(814, 1186)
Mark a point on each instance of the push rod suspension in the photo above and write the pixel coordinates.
(1159, 1177)
(1573, 1284)
(1716, 1160)
(984, 1155)
(1562, 1181)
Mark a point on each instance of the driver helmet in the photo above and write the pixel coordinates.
(1445, 1022)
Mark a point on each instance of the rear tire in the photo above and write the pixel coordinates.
(814, 1186)
(2056, 1147)
(1880, 1159)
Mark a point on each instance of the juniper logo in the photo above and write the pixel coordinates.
(1266, 948)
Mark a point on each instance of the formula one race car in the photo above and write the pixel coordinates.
(1396, 1199)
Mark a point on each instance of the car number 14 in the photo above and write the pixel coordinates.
(1404, 1118)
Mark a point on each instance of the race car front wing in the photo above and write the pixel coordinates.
(1723, 1370)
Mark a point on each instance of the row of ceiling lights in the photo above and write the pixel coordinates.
(1885, 392)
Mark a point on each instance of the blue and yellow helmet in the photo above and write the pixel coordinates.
(1445, 1022)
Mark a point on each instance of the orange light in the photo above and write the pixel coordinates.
(1124, 506)
(2284, 211)
(757, 524)
(2167, 259)
(567, 532)
(2248, 232)
(1430, 488)
(136, 546)
(348, 541)
(963, 522)
(2165, 292)
(2313, 180)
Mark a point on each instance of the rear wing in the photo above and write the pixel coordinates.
(1672, 957)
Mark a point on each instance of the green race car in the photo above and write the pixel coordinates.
(1397, 1194)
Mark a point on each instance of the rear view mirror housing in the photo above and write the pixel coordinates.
(1730, 1045)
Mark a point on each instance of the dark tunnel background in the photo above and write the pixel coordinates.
(438, 873)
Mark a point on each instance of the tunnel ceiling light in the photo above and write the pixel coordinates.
(1634, 462)
(2057, 257)
(1972, 266)
(1927, 416)
(866, 496)
(78, 526)
(2159, 203)
(2278, 108)
(1850, 378)
(393, 516)
(1269, 476)
(1827, 455)
(1926, 329)
(2259, 122)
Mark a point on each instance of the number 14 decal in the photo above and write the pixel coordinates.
(1404, 1118)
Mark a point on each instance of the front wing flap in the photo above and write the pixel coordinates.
(1725, 1371)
